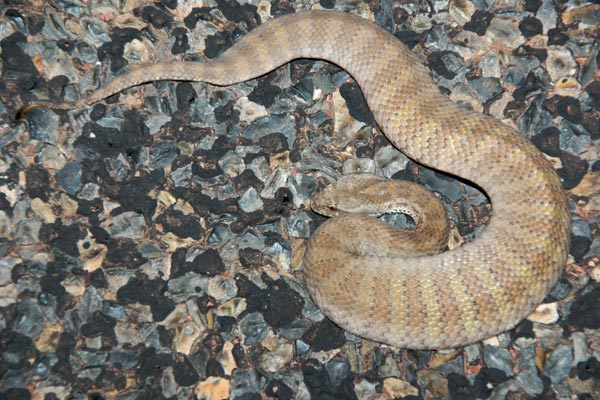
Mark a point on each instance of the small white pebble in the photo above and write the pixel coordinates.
(545, 314)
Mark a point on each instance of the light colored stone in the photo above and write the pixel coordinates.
(545, 313)
(213, 388)
(395, 388)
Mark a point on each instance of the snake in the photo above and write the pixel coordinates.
(354, 266)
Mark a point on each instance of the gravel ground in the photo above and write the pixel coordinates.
(146, 241)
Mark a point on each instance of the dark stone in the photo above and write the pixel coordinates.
(197, 13)
(18, 271)
(364, 151)
(304, 89)
(204, 204)
(274, 143)
(380, 141)
(112, 52)
(579, 246)
(530, 26)
(38, 182)
(149, 292)
(179, 265)
(63, 237)
(279, 390)
(593, 89)
(214, 343)
(206, 303)
(184, 373)
(185, 95)
(246, 180)
(15, 394)
(556, 37)
(324, 335)
(486, 380)
(244, 220)
(158, 18)
(98, 111)
(588, 369)
(251, 258)
(99, 325)
(98, 280)
(124, 253)
(357, 105)
(566, 106)
(320, 386)
(573, 169)
(206, 173)
(480, 21)
(561, 290)
(152, 365)
(328, 4)
(172, 4)
(219, 148)
(180, 224)
(226, 112)
(181, 44)
(110, 142)
(90, 209)
(165, 336)
(528, 51)
(548, 141)
(436, 61)
(56, 86)
(240, 357)
(514, 109)
(278, 303)
(265, 92)
(408, 37)
(532, 85)
(533, 5)
(215, 45)
(591, 123)
(459, 387)
(226, 324)
(284, 196)
(109, 379)
(214, 368)
(63, 368)
(233, 11)
(5, 204)
(14, 59)
(208, 263)
(585, 310)
(300, 69)
(523, 330)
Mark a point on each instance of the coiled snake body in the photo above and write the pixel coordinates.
(352, 266)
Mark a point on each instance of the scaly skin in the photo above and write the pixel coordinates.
(441, 301)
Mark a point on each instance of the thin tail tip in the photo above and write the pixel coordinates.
(20, 115)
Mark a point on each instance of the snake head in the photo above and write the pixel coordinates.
(349, 195)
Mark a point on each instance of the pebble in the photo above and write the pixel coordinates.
(395, 388)
(545, 314)
(254, 328)
(528, 379)
(559, 363)
(499, 358)
(250, 201)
